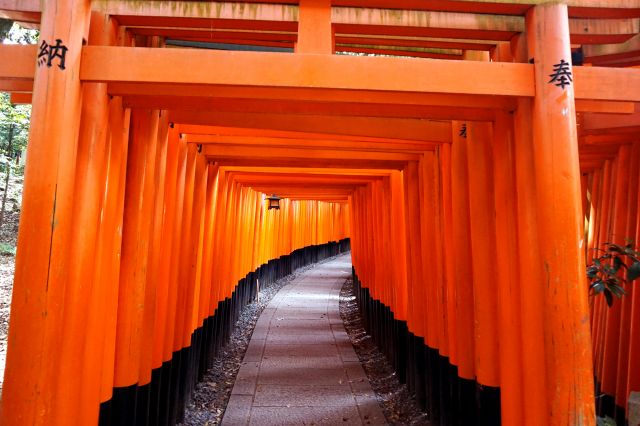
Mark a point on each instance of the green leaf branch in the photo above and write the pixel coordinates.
(616, 267)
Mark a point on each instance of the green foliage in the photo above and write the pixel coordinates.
(7, 249)
(12, 33)
(14, 130)
(5, 27)
(616, 267)
(14, 119)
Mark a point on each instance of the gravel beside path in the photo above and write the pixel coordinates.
(213, 392)
(399, 406)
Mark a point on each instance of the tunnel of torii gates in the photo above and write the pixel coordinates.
(469, 153)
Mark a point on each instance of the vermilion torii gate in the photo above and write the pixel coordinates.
(459, 161)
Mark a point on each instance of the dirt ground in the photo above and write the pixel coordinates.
(8, 237)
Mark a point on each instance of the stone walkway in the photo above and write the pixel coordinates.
(300, 367)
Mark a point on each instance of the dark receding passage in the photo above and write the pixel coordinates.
(300, 367)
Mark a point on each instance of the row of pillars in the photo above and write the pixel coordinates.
(131, 243)
(611, 209)
(478, 250)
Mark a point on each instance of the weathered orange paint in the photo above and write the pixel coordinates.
(568, 369)
(42, 261)
(476, 243)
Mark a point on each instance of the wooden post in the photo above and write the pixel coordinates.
(82, 338)
(461, 245)
(136, 235)
(622, 389)
(608, 377)
(535, 409)
(46, 226)
(315, 34)
(399, 245)
(144, 409)
(414, 251)
(170, 350)
(461, 248)
(509, 305)
(108, 255)
(567, 343)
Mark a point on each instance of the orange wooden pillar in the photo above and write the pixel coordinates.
(178, 376)
(430, 261)
(191, 282)
(461, 246)
(509, 304)
(535, 404)
(136, 235)
(398, 247)
(484, 267)
(530, 269)
(624, 357)
(208, 293)
(171, 354)
(633, 380)
(446, 236)
(46, 224)
(438, 374)
(161, 358)
(602, 236)
(416, 378)
(108, 254)
(612, 332)
(91, 167)
(147, 404)
(315, 34)
(567, 343)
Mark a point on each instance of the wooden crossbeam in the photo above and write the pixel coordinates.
(312, 94)
(122, 64)
(313, 163)
(605, 9)
(309, 171)
(393, 128)
(605, 123)
(17, 62)
(471, 26)
(315, 158)
(439, 132)
(199, 9)
(608, 52)
(16, 86)
(189, 66)
(257, 178)
(426, 42)
(311, 143)
(342, 109)
(284, 189)
(610, 139)
(239, 151)
(577, 8)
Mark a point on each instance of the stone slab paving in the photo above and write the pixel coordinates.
(300, 367)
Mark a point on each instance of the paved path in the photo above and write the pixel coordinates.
(300, 367)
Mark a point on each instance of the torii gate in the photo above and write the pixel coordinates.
(453, 162)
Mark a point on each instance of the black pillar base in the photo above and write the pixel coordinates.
(163, 400)
(447, 398)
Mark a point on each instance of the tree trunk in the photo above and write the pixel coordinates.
(6, 181)
(5, 27)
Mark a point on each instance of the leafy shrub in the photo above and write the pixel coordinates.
(606, 273)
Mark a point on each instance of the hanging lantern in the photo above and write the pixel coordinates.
(274, 202)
